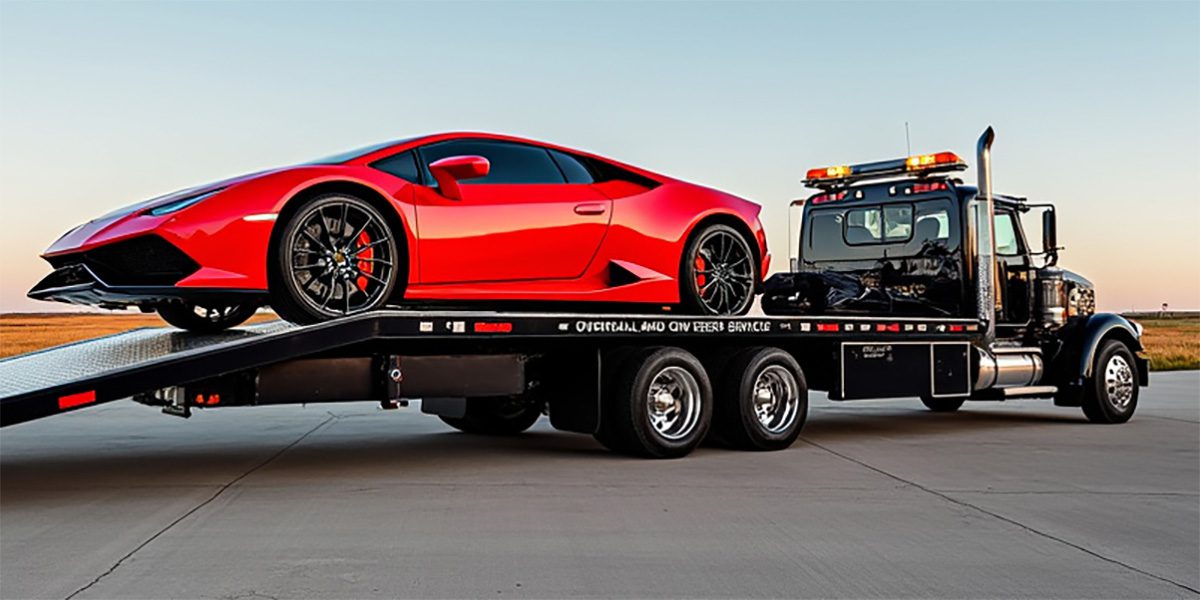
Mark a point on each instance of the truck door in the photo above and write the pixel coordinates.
(1013, 270)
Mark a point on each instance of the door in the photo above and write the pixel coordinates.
(534, 216)
(1012, 258)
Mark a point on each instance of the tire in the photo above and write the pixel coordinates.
(207, 318)
(496, 416)
(718, 274)
(335, 256)
(942, 405)
(762, 401)
(659, 406)
(1110, 395)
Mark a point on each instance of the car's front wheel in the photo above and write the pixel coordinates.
(205, 318)
(718, 274)
(336, 256)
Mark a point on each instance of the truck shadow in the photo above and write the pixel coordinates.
(356, 450)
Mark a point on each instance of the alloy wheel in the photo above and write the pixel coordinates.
(341, 258)
(724, 272)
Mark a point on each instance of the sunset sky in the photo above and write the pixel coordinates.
(1096, 105)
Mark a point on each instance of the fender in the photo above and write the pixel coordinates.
(1082, 339)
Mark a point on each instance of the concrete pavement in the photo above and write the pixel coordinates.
(878, 499)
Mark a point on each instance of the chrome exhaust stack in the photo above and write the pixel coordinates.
(985, 244)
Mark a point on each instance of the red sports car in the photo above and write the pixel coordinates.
(458, 217)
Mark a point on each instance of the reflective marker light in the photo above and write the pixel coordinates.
(927, 161)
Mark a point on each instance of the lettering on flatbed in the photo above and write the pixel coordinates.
(659, 326)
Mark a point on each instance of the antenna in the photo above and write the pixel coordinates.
(907, 141)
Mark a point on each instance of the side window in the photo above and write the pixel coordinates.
(572, 169)
(403, 165)
(1007, 241)
(510, 162)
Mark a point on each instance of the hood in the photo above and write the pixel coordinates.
(179, 195)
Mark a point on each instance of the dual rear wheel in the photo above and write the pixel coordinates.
(662, 403)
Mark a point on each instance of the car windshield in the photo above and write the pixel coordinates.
(342, 157)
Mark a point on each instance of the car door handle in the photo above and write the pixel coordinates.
(591, 208)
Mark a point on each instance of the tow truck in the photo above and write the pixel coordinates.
(905, 283)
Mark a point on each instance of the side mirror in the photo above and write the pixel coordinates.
(1050, 236)
(452, 169)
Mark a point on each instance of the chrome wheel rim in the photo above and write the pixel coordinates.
(776, 399)
(723, 271)
(673, 403)
(341, 258)
(1118, 382)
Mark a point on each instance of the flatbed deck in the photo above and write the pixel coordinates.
(92, 372)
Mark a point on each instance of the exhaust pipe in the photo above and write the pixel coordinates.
(985, 251)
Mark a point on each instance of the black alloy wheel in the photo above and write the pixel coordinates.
(718, 274)
(206, 318)
(337, 257)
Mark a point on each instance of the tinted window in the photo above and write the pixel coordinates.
(403, 165)
(1007, 242)
(572, 169)
(924, 228)
(874, 225)
(510, 163)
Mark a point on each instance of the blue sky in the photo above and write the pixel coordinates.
(1096, 104)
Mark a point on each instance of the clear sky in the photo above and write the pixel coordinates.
(1096, 104)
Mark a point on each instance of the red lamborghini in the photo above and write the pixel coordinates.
(458, 217)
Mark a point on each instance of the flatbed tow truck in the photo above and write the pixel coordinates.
(954, 321)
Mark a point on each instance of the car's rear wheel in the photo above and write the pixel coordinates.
(336, 256)
(718, 274)
(207, 317)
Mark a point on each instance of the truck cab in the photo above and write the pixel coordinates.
(908, 237)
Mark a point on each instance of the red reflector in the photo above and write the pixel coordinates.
(823, 198)
(73, 400)
(827, 327)
(957, 327)
(921, 188)
(894, 327)
(493, 327)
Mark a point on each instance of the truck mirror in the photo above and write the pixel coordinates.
(1050, 236)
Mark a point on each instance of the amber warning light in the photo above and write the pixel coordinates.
(919, 166)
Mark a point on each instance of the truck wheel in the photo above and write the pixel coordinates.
(762, 402)
(942, 404)
(496, 416)
(1110, 395)
(660, 405)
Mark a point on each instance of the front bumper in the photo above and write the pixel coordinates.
(140, 271)
(77, 284)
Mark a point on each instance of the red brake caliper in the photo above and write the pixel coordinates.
(700, 278)
(366, 266)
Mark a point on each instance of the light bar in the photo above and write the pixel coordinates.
(922, 162)
(918, 165)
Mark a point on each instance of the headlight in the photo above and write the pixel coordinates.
(179, 205)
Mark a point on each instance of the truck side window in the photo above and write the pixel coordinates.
(1007, 242)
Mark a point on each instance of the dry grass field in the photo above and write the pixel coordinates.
(21, 333)
(1171, 344)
